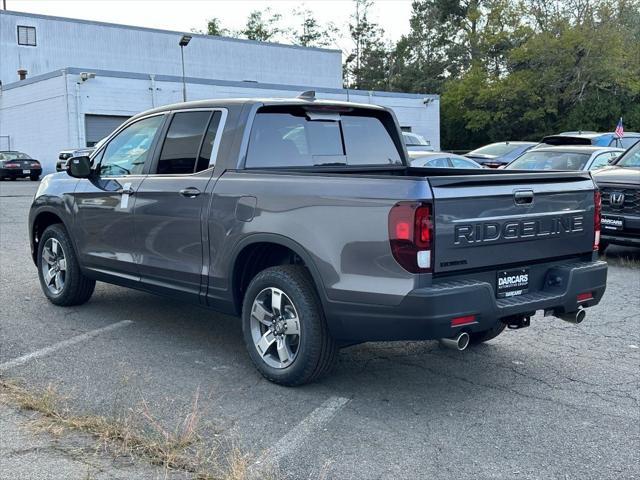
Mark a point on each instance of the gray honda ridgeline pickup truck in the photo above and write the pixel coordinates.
(304, 218)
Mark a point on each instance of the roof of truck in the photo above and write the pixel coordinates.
(226, 102)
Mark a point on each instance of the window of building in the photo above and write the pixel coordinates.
(27, 36)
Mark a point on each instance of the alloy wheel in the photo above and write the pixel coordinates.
(54, 266)
(275, 328)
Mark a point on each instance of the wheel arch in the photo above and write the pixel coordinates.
(259, 251)
(42, 219)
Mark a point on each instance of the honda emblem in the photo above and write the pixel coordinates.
(616, 199)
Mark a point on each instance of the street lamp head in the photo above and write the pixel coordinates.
(184, 41)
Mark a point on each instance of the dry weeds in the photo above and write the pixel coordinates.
(138, 433)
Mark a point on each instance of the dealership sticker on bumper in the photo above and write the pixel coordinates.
(510, 283)
(612, 223)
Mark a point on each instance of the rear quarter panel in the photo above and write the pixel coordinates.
(341, 222)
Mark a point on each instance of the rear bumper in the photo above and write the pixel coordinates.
(18, 172)
(426, 313)
(626, 240)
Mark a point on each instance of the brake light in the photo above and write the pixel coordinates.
(411, 236)
(11, 165)
(597, 212)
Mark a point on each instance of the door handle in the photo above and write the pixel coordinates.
(190, 192)
(127, 190)
(523, 197)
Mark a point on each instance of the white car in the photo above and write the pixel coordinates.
(416, 143)
(568, 157)
(65, 155)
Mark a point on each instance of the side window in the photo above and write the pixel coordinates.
(126, 152)
(628, 141)
(600, 161)
(204, 159)
(438, 163)
(181, 145)
(460, 163)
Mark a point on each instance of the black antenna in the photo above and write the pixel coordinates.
(308, 95)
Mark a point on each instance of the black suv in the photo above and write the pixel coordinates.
(620, 190)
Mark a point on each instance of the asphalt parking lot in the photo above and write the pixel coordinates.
(551, 401)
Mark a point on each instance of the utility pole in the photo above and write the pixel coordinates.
(4, 4)
(184, 41)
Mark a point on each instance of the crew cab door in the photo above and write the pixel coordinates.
(104, 203)
(170, 203)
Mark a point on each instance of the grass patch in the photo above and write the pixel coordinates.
(137, 433)
(627, 261)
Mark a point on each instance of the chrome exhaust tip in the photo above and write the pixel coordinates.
(459, 342)
(574, 317)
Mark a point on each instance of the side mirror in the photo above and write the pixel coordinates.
(79, 167)
(613, 160)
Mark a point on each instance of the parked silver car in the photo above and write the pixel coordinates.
(441, 160)
(576, 157)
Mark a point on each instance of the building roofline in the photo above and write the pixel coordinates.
(208, 81)
(159, 30)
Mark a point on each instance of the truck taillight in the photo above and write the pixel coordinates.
(411, 235)
(597, 200)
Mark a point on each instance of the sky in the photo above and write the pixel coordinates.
(184, 15)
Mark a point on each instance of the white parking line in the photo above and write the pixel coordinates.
(298, 435)
(65, 343)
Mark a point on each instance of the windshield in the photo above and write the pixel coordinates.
(495, 149)
(14, 156)
(414, 140)
(537, 160)
(630, 158)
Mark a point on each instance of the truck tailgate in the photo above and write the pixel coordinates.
(511, 219)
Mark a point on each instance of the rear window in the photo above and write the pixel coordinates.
(14, 156)
(495, 149)
(297, 138)
(536, 160)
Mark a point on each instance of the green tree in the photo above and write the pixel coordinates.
(309, 32)
(214, 27)
(367, 67)
(262, 26)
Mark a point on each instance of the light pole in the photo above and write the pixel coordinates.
(184, 41)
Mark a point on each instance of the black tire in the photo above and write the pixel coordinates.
(316, 349)
(34, 178)
(77, 287)
(486, 335)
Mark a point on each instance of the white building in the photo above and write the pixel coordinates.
(59, 106)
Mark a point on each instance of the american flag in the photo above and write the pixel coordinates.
(619, 129)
